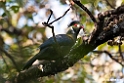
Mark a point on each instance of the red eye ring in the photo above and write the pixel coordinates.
(75, 25)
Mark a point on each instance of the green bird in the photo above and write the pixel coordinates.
(51, 50)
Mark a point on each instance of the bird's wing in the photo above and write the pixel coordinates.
(62, 40)
(53, 53)
(43, 54)
(49, 53)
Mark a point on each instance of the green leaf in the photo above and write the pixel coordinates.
(96, 3)
(15, 8)
(8, 0)
(122, 2)
(84, 1)
(4, 14)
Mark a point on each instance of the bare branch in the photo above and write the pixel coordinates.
(60, 16)
(116, 60)
(110, 55)
(51, 12)
(51, 68)
(86, 10)
(120, 51)
(98, 36)
(109, 4)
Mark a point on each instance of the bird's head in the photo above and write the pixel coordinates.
(74, 28)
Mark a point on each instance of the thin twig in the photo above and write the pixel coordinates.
(86, 10)
(120, 51)
(11, 58)
(60, 16)
(109, 4)
(51, 12)
(49, 24)
(54, 34)
(110, 55)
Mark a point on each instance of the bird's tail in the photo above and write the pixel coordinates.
(29, 63)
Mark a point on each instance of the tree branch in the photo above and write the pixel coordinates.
(120, 52)
(57, 66)
(86, 10)
(109, 4)
(60, 16)
(105, 30)
(109, 54)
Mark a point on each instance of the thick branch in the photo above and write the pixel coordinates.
(55, 67)
(110, 34)
(98, 25)
(98, 36)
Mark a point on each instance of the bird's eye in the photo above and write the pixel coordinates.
(76, 25)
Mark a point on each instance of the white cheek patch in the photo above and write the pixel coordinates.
(78, 25)
(72, 30)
